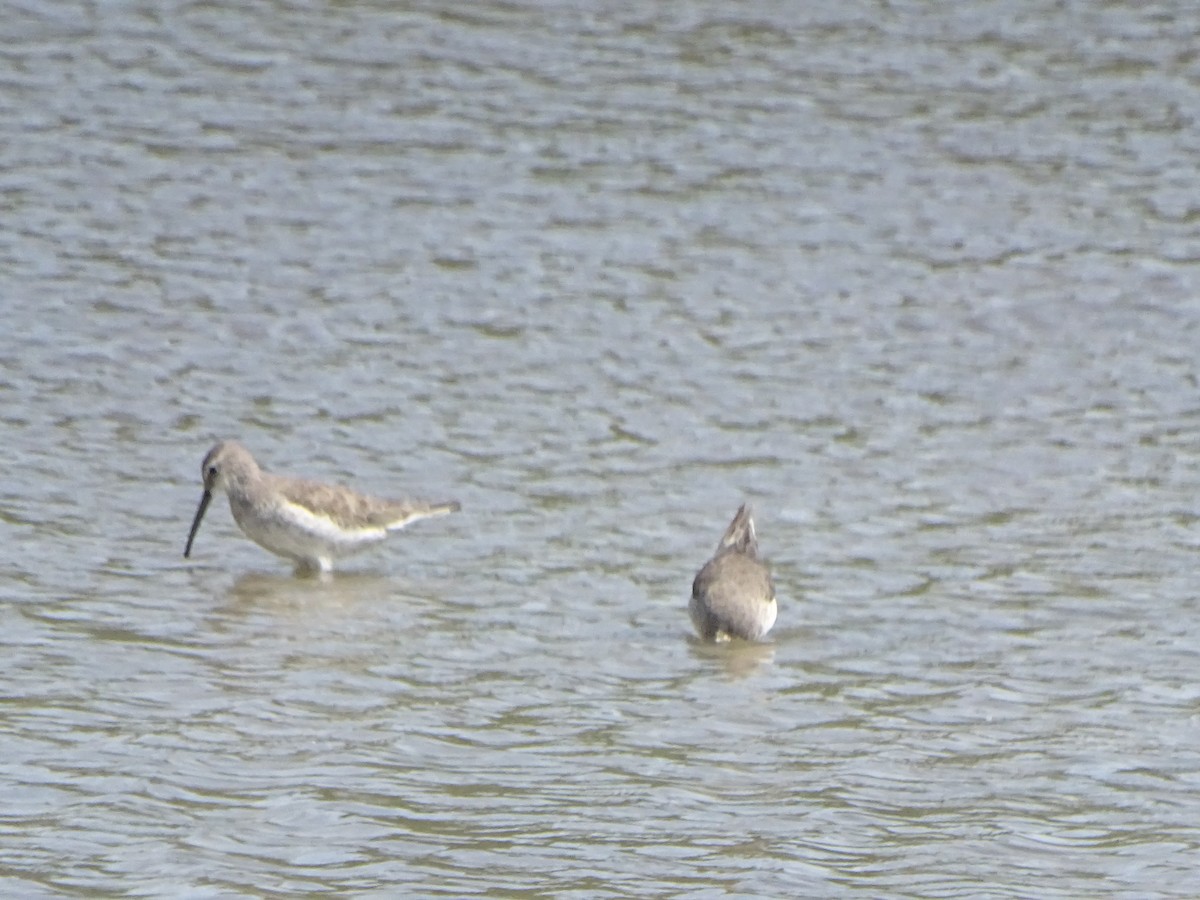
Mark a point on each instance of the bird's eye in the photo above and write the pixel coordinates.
(212, 471)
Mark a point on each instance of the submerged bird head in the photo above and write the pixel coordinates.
(739, 537)
(227, 461)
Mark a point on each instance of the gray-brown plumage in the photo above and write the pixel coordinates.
(733, 595)
(305, 521)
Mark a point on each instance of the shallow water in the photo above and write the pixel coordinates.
(920, 284)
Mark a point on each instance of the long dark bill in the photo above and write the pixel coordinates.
(205, 499)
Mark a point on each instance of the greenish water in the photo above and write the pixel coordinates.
(919, 283)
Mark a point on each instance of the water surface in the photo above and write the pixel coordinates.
(920, 283)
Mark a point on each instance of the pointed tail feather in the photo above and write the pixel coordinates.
(414, 511)
(740, 534)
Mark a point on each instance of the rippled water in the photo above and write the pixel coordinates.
(918, 281)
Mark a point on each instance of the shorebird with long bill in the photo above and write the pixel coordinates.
(308, 522)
